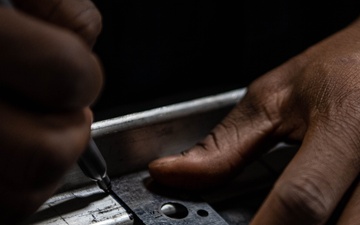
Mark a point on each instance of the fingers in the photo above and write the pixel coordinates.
(36, 150)
(315, 180)
(80, 16)
(45, 65)
(224, 152)
(252, 127)
(350, 215)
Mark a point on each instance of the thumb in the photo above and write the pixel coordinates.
(224, 152)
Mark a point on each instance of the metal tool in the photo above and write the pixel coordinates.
(93, 165)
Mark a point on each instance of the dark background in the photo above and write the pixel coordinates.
(161, 52)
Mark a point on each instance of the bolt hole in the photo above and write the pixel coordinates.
(174, 210)
(202, 213)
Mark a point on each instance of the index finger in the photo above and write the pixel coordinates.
(315, 180)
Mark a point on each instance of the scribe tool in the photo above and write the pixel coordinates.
(93, 165)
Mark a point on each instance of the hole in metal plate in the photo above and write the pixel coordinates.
(174, 210)
(202, 213)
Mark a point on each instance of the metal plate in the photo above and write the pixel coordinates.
(82, 206)
(154, 204)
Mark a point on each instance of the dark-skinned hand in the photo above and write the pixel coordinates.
(49, 77)
(313, 98)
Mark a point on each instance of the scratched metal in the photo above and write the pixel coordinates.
(84, 206)
(154, 204)
(235, 202)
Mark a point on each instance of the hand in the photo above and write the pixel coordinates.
(314, 99)
(49, 77)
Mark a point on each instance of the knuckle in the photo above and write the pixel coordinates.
(264, 102)
(303, 199)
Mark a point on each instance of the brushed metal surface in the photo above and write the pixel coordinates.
(83, 206)
(128, 143)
